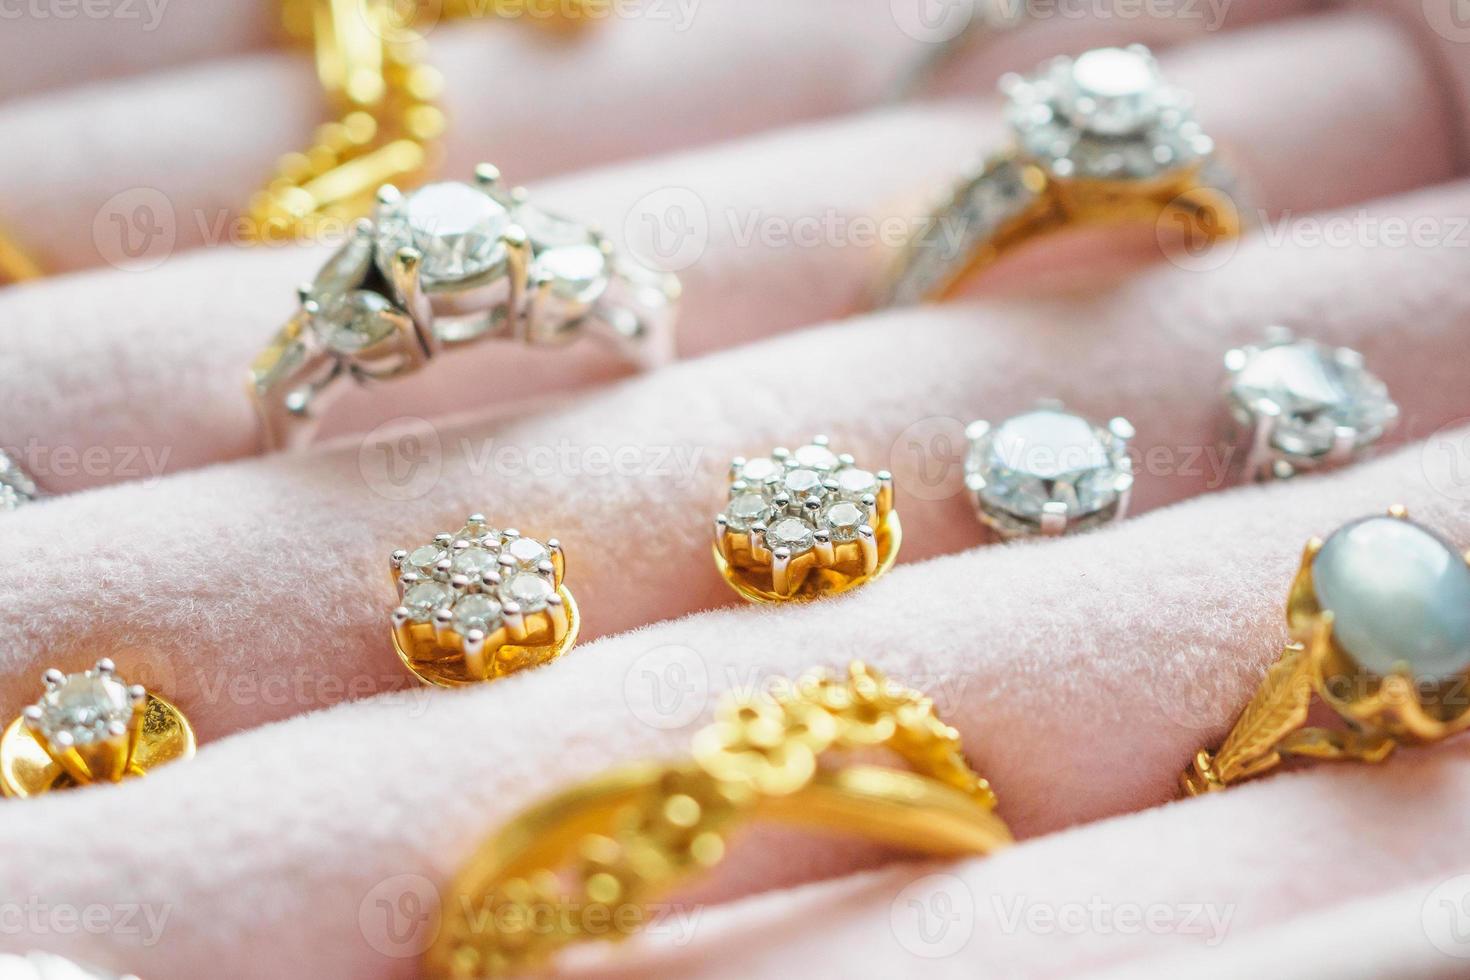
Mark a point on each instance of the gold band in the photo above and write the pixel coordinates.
(624, 840)
(1025, 203)
(15, 264)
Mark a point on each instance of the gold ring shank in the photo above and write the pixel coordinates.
(956, 248)
(889, 806)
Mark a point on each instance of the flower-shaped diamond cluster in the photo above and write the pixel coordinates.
(473, 582)
(792, 503)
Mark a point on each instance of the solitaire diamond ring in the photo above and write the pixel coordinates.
(1099, 139)
(447, 266)
(1299, 405)
(1048, 472)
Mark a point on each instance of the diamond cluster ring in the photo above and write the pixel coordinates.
(479, 604)
(90, 727)
(1099, 139)
(1379, 618)
(1298, 405)
(804, 524)
(1048, 472)
(443, 267)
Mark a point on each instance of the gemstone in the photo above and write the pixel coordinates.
(747, 510)
(566, 254)
(474, 562)
(1112, 91)
(843, 519)
(1045, 456)
(1314, 391)
(791, 533)
(1106, 114)
(816, 457)
(423, 598)
(84, 706)
(457, 228)
(423, 559)
(1399, 596)
(476, 612)
(355, 321)
(527, 552)
(854, 483)
(527, 590)
(476, 533)
(803, 482)
(760, 470)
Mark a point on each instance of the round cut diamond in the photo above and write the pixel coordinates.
(854, 483)
(1046, 456)
(803, 482)
(423, 559)
(475, 562)
(760, 470)
(567, 254)
(1105, 114)
(355, 321)
(423, 598)
(527, 590)
(816, 457)
(457, 228)
(791, 533)
(477, 533)
(476, 612)
(1313, 392)
(843, 519)
(527, 552)
(1112, 91)
(84, 706)
(747, 510)
(1399, 596)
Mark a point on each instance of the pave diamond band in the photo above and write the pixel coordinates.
(1098, 138)
(448, 265)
